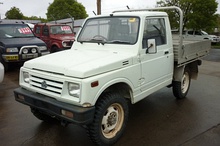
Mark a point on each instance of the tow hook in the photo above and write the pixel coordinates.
(64, 123)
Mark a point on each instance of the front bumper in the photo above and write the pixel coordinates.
(53, 107)
(22, 57)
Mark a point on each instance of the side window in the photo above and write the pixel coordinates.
(37, 30)
(45, 30)
(197, 33)
(154, 29)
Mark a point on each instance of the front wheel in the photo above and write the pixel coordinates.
(54, 49)
(110, 119)
(181, 88)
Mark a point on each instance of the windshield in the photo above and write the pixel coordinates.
(204, 33)
(15, 31)
(117, 30)
(61, 29)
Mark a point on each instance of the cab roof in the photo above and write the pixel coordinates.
(134, 13)
(50, 24)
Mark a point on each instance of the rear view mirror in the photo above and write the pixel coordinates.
(151, 48)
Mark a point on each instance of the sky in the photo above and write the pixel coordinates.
(39, 7)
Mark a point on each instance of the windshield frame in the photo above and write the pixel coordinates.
(130, 24)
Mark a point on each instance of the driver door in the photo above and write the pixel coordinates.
(157, 67)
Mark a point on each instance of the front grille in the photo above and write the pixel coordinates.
(48, 85)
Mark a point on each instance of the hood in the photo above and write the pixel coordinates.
(80, 63)
(19, 42)
(63, 36)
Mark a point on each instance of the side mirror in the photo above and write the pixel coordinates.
(151, 48)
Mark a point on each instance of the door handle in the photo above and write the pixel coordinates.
(166, 52)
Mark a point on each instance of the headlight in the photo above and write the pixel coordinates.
(33, 50)
(25, 51)
(42, 48)
(26, 77)
(65, 44)
(74, 89)
(8, 50)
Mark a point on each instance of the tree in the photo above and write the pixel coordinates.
(197, 13)
(14, 13)
(60, 9)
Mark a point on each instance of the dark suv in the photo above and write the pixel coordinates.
(18, 44)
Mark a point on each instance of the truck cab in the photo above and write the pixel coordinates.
(58, 37)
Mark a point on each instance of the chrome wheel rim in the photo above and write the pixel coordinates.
(185, 82)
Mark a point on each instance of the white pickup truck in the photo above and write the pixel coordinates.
(116, 59)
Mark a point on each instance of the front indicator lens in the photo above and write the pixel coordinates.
(74, 89)
(26, 77)
(67, 113)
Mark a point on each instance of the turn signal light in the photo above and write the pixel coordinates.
(67, 113)
(20, 97)
(95, 84)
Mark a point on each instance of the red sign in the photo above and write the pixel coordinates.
(25, 30)
(65, 28)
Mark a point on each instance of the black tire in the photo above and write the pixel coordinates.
(54, 49)
(180, 89)
(42, 116)
(110, 119)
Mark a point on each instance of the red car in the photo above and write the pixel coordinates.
(57, 36)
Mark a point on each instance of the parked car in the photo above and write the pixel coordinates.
(215, 39)
(58, 37)
(2, 71)
(18, 44)
(200, 35)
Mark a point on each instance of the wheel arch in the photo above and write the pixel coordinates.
(121, 87)
(178, 71)
(54, 47)
(193, 68)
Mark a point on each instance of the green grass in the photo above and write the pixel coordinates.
(216, 46)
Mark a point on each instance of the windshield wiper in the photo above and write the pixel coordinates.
(99, 41)
(119, 42)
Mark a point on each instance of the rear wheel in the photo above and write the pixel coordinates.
(110, 119)
(181, 88)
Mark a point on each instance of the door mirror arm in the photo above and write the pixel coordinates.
(152, 48)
